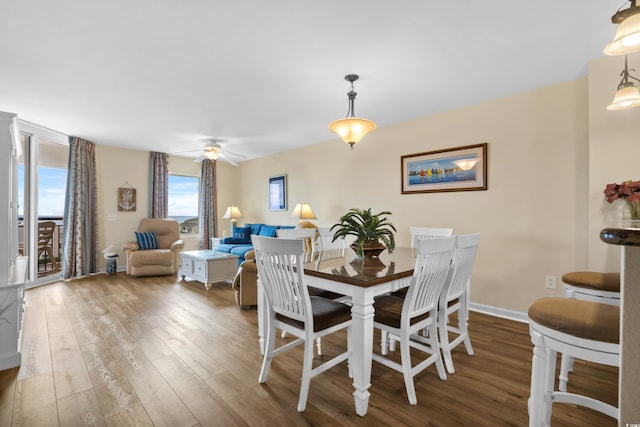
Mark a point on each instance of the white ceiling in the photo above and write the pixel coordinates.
(268, 76)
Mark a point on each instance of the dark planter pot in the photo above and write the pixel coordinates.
(371, 249)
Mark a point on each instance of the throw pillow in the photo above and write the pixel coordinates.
(147, 240)
(255, 228)
(268, 230)
(242, 235)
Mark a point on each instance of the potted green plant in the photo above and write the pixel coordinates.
(373, 232)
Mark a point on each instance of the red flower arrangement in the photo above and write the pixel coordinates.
(627, 190)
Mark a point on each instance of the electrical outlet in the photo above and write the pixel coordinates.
(550, 282)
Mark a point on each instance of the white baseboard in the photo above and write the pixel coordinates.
(504, 313)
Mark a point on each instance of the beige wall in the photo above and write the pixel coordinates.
(529, 218)
(117, 167)
(614, 151)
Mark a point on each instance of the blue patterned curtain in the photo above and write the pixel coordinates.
(80, 233)
(208, 222)
(159, 185)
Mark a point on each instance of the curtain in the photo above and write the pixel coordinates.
(207, 214)
(159, 185)
(80, 233)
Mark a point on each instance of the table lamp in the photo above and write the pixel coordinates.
(232, 212)
(303, 211)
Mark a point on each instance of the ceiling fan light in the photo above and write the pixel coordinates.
(627, 38)
(626, 98)
(352, 130)
(211, 154)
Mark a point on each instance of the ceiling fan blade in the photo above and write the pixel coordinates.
(226, 158)
(235, 154)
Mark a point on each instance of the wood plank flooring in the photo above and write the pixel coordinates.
(123, 351)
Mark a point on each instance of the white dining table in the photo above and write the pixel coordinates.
(347, 276)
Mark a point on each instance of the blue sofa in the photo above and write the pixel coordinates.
(240, 243)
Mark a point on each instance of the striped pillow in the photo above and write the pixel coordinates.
(147, 240)
(268, 230)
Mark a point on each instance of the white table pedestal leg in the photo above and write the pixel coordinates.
(362, 347)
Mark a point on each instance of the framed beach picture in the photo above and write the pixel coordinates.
(451, 169)
(278, 193)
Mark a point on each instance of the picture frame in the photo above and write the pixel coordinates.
(278, 193)
(451, 169)
(126, 199)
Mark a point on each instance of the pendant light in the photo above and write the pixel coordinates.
(627, 96)
(627, 38)
(352, 129)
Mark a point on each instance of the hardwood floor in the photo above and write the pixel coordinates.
(119, 351)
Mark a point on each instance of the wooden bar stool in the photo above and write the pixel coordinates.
(589, 286)
(582, 329)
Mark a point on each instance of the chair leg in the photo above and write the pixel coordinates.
(307, 365)
(550, 372)
(435, 349)
(536, 398)
(444, 342)
(566, 366)
(405, 356)
(384, 342)
(268, 353)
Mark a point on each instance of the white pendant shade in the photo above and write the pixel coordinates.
(626, 98)
(627, 38)
(352, 129)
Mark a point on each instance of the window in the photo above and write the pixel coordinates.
(183, 202)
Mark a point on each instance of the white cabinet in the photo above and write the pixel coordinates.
(208, 266)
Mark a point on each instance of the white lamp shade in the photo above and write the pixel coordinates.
(232, 212)
(351, 130)
(465, 164)
(627, 38)
(303, 211)
(626, 98)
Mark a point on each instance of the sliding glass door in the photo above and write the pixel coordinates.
(42, 176)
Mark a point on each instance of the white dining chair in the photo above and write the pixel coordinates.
(292, 309)
(454, 298)
(404, 318)
(419, 233)
(329, 248)
(308, 235)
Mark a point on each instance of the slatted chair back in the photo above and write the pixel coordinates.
(45, 235)
(308, 235)
(279, 263)
(327, 247)
(464, 258)
(419, 233)
(433, 263)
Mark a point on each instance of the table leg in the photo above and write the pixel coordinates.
(361, 347)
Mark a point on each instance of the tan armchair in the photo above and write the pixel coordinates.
(245, 283)
(155, 262)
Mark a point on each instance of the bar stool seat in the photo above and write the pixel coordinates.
(589, 286)
(581, 329)
(592, 286)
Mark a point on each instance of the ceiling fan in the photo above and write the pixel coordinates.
(214, 150)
